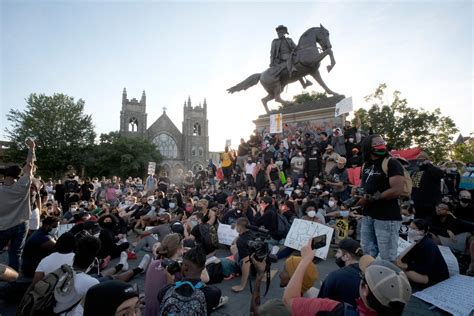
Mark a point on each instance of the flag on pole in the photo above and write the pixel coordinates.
(276, 123)
(344, 106)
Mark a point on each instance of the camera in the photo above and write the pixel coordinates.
(258, 248)
(171, 266)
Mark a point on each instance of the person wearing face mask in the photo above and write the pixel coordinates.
(381, 221)
(232, 215)
(108, 237)
(310, 208)
(314, 165)
(39, 245)
(329, 159)
(343, 285)
(408, 214)
(464, 208)
(426, 191)
(298, 164)
(423, 263)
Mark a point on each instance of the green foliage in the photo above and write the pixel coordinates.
(309, 97)
(122, 156)
(61, 130)
(464, 152)
(403, 127)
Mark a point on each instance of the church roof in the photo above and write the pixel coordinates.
(164, 124)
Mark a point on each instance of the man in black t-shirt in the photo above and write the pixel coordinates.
(382, 188)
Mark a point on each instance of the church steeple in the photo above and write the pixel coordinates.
(189, 101)
(143, 99)
(124, 96)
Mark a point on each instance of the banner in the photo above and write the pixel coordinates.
(151, 167)
(301, 231)
(344, 106)
(276, 123)
(226, 234)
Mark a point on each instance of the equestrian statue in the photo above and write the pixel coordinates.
(290, 63)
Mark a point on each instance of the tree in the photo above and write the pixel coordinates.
(309, 97)
(404, 127)
(464, 152)
(120, 155)
(60, 128)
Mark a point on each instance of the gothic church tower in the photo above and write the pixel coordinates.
(133, 116)
(195, 135)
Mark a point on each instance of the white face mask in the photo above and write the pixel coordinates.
(318, 187)
(312, 214)
(406, 218)
(414, 235)
(331, 203)
(172, 205)
(96, 235)
(73, 209)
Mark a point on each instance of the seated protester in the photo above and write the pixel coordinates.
(147, 239)
(423, 264)
(310, 276)
(243, 252)
(232, 215)
(287, 209)
(63, 254)
(312, 214)
(333, 205)
(83, 216)
(175, 211)
(202, 206)
(121, 298)
(108, 238)
(161, 271)
(355, 160)
(85, 255)
(210, 296)
(267, 218)
(68, 215)
(408, 215)
(248, 209)
(384, 290)
(342, 285)
(85, 229)
(464, 210)
(204, 234)
(39, 245)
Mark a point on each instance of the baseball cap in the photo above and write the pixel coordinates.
(386, 281)
(350, 245)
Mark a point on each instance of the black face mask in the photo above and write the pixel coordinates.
(340, 263)
(465, 200)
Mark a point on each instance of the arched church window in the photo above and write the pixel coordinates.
(133, 125)
(166, 145)
(197, 129)
(201, 151)
(193, 151)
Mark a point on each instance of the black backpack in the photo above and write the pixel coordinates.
(283, 225)
(174, 303)
(214, 269)
(209, 236)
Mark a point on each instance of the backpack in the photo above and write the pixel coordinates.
(39, 301)
(209, 236)
(283, 225)
(407, 182)
(175, 304)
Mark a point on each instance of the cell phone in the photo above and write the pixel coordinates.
(318, 242)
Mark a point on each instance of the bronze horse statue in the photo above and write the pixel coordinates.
(306, 60)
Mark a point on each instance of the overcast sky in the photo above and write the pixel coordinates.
(93, 49)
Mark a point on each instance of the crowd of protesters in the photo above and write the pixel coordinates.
(344, 179)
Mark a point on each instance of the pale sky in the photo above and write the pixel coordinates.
(172, 50)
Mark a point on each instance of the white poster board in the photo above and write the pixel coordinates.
(301, 231)
(454, 295)
(151, 167)
(450, 259)
(344, 106)
(63, 228)
(276, 123)
(226, 234)
(403, 247)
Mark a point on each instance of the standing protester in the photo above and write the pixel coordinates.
(15, 208)
(382, 219)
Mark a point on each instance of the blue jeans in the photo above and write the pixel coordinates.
(17, 237)
(380, 237)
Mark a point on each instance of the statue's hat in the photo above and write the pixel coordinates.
(282, 27)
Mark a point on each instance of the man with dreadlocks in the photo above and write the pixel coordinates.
(382, 183)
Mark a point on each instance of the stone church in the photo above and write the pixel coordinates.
(186, 149)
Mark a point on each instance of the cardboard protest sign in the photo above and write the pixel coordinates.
(226, 234)
(301, 231)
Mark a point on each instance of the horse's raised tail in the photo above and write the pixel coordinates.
(244, 85)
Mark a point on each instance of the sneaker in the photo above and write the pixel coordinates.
(145, 262)
(105, 262)
(222, 301)
(131, 255)
(124, 260)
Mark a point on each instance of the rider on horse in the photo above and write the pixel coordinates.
(282, 52)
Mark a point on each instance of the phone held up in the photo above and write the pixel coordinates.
(318, 242)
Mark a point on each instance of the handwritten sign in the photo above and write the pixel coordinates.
(226, 234)
(276, 123)
(63, 228)
(453, 295)
(403, 247)
(450, 259)
(344, 106)
(302, 230)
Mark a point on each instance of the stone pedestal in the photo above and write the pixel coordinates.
(315, 117)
